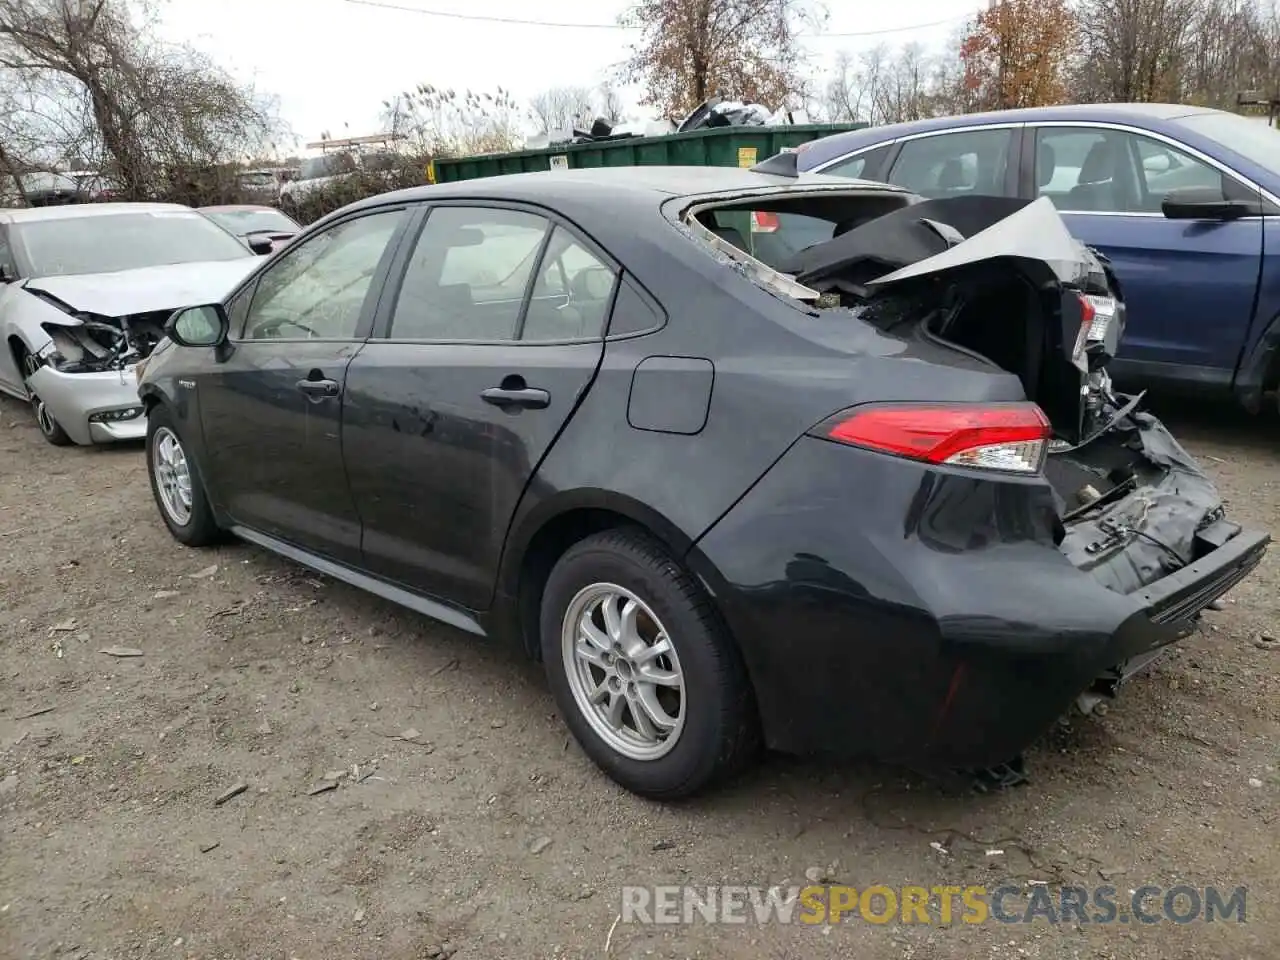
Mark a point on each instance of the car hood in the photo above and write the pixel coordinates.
(148, 289)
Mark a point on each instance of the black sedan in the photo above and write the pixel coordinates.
(743, 456)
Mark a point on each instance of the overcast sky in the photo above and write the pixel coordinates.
(333, 62)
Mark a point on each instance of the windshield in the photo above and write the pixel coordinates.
(1252, 138)
(65, 246)
(241, 222)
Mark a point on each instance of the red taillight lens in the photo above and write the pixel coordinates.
(1009, 437)
(1087, 314)
(762, 222)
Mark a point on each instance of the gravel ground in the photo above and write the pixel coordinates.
(464, 821)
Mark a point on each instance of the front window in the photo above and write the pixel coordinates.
(244, 222)
(1252, 138)
(106, 243)
(1100, 170)
(317, 290)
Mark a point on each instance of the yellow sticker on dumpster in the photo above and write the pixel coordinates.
(746, 156)
(431, 171)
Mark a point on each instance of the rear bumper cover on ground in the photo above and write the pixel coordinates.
(891, 610)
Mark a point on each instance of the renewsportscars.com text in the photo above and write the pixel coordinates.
(879, 904)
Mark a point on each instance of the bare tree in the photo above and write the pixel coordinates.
(691, 50)
(562, 108)
(441, 122)
(609, 101)
(151, 107)
(845, 90)
(1132, 50)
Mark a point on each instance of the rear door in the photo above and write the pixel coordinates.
(491, 339)
(1189, 285)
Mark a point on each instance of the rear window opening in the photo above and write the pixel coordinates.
(774, 230)
(1013, 299)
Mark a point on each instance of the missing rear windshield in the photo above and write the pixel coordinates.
(765, 234)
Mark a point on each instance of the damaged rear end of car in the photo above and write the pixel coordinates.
(993, 563)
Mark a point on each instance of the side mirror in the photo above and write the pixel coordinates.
(1206, 203)
(205, 326)
(261, 245)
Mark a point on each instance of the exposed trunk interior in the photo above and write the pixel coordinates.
(1003, 281)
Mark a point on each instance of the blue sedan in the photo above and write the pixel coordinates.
(1183, 201)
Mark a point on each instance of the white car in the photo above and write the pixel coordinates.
(85, 291)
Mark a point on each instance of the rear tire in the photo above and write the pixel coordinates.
(683, 713)
(176, 483)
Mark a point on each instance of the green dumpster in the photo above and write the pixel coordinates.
(709, 147)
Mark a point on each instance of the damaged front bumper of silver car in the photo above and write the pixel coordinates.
(100, 407)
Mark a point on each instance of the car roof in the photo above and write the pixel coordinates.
(74, 211)
(231, 207)
(829, 148)
(644, 186)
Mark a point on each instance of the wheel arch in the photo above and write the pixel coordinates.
(543, 536)
(1259, 369)
(18, 348)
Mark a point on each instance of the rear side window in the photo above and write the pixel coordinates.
(468, 275)
(954, 164)
(573, 292)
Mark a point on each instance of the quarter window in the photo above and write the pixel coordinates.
(1098, 170)
(317, 289)
(853, 167)
(468, 275)
(864, 166)
(954, 164)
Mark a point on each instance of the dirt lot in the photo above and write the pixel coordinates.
(482, 830)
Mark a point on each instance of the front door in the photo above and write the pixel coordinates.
(272, 410)
(496, 334)
(1189, 285)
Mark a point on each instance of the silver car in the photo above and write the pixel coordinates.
(85, 291)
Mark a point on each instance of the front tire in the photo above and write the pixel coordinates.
(641, 668)
(177, 485)
(50, 429)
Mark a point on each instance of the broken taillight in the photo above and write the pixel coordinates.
(1006, 437)
(1100, 311)
(1096, 314)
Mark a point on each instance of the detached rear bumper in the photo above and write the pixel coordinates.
(86, 405)
(925, 617)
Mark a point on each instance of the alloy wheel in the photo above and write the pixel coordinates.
(623, 671)
(173, 475)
